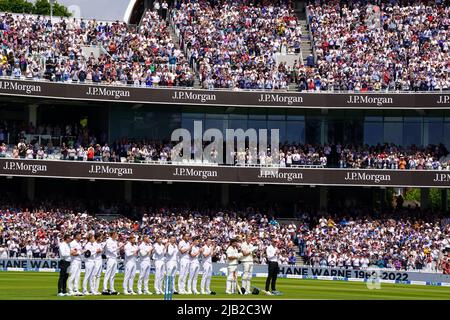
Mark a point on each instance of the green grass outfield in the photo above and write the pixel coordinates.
(43, 286)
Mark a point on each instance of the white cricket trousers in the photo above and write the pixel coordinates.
(247, 275)
(130, 273)
(231, 279)
(144, 274)
(98, 268)
(89, 267)
(110, 274)
(194, 268)
(74, 278)
(206, 278)
(159, 276)
(184, 269)
(171, 270)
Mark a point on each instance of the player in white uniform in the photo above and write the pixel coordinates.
(145, 251)
(75, 265)
(171, 260)
(98, 264)
(247, 250)
(194, 266)
(89, 265)
(158, 256)
(184, 247)
(131, 253)
(207, 253)
(111, 252)
(232, 258)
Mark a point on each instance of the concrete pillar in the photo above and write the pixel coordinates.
(323, 198)
(225, 195)
(30, 188)
(32, 114)
(444, 200)
(128, 191)
(425, 198)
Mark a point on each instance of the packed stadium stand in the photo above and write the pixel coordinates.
(286, 53)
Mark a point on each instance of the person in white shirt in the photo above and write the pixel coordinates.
(272, 253)
(145, 251)
(3, 252)
(207, 253)
(89, 265)
(194, 266)
(29, 251)
(171, 260)
(158, 256)
(232, 258)
(98, 264)
(131, 253)
(64, 263)
(184, 247)
(75, 265)
(111, 253)
(247, 250)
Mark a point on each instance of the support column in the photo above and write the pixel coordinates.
(225, 195)
(383, 200)
(444, 200)
(32, 114)
(425, 198)
(128, 191)
(30, 188)
(323, 198)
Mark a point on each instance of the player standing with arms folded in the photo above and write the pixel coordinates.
(247, 250)
(207, 253)
(158, 256)
(75, 265)
(194, 266)
(131, 253)
(171, 250)
(111, 252)
(145, 251)
(232, 259)
(184, 247)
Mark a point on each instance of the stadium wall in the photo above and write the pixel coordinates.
(230, 98)
(224, 174)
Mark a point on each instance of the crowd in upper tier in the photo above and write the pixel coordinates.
(360, 46)
(34, 47)
(233, 44)
(403, 239)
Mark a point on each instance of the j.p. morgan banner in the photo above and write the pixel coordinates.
(223, 174)
(231, 98)
(284, 270)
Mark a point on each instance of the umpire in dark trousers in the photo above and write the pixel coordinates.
(272, 258)
(64, 263)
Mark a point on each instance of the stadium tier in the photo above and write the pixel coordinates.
(296, 136)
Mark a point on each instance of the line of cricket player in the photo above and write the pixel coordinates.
(170, 257)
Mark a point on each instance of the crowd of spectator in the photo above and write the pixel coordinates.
(79, 145)
(233, 44)
(35, 47)
(358, 46)
(403, 239)
(396, 242)
(381, 45)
